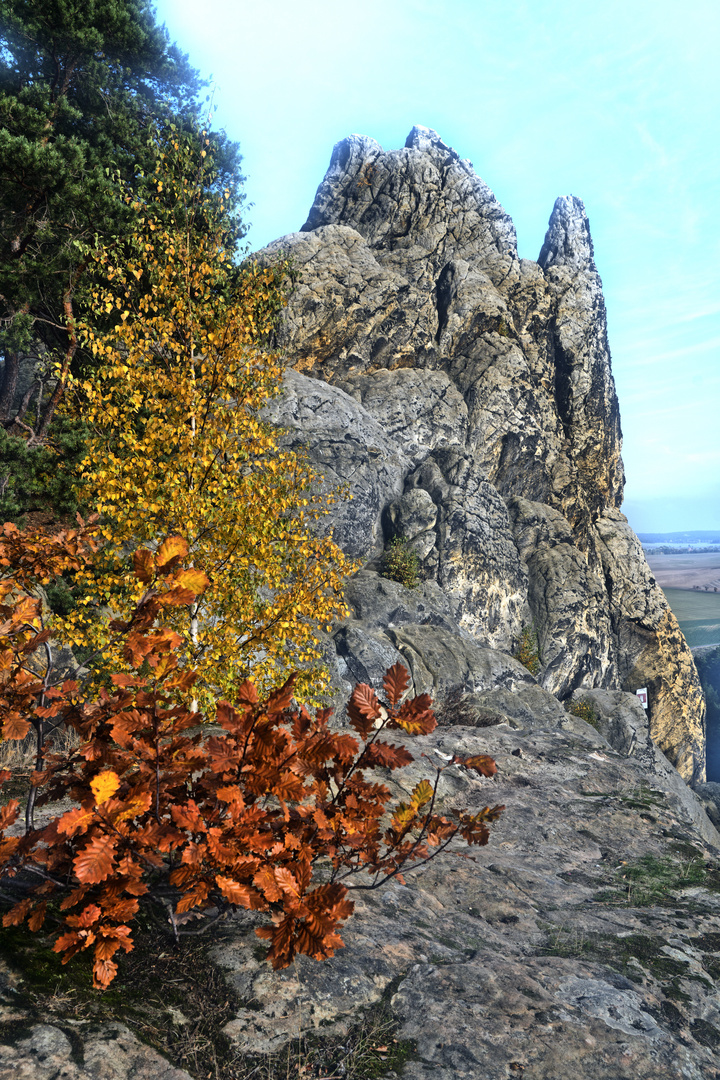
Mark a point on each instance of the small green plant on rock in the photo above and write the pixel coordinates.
(652, 879)
(585, 711)
(527, 651)
(400, 563)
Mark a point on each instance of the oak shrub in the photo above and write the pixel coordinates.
(274, 811)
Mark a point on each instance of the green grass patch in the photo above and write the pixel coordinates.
(653, 880)
(698, 614)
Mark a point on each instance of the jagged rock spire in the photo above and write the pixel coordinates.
(568, 241)
(491, 376)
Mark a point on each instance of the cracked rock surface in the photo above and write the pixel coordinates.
(82, 1052)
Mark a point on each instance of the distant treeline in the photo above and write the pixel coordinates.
(680, 549)
(711, 536)
(707, 662)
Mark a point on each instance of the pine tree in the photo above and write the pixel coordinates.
(85, 88)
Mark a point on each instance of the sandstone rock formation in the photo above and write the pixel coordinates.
(42, 1051)
(466, 397)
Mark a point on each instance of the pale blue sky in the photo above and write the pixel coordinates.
(614, 101)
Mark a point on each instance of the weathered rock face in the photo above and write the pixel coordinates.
(74, 1052)
(538, 956)
(466, 397)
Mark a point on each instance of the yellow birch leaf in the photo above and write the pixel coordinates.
(104, 786)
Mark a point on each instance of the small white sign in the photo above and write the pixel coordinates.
(642, 694)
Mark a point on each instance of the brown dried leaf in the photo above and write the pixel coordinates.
(143, 565)
(175, 547)
(395, 683)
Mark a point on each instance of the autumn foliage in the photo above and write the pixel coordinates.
(270, 809)
(177, 443)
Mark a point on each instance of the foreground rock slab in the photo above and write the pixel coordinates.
(60, 1052)
(535, 957)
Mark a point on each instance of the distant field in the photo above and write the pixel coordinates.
(684, 571)
(698, 614)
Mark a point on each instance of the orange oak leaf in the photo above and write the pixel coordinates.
(193, 580)
(132, 807)
(178, 597)
(416, 716)
(95, 862)
(229, 794)
(395, 683)
(287, 882)
(143, 565)
(87, 917)
(104, 971)
(75, 821)
(387, 755)
(38, 916)
(421, 794)
(195, 898)
(240, 894)
(265, 880)
(70, 944)
(8, 814)
(15, 727)
(74, 897)
(363, 709)
(247, 694)
(479, 762)
(16, 915)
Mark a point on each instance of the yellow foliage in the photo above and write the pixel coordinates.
(178, 446)
(104, 786)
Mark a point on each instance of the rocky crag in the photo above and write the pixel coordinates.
(465, 397)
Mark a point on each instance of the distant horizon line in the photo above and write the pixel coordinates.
(681, 535)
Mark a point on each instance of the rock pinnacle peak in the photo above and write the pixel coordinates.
(424, 138)
(567, 240)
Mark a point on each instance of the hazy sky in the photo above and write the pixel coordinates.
(616, 102)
